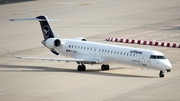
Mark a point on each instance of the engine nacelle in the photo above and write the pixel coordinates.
(52, 43)
(80, 38)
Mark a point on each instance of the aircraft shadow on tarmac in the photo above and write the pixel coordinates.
(13, 1)
(173, 28)
(51, 69)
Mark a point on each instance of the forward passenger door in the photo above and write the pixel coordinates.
(143, 60)
(92, 52)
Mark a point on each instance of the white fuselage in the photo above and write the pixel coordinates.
(106, 53)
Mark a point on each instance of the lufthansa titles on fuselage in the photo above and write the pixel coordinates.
(136, 52)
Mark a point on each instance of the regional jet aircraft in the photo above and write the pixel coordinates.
(82, 51)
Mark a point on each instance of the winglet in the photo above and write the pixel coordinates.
(11, 19)
(12, 53)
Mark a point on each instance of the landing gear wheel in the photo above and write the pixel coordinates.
(104, 67)
(161, 74)
(107, 67)
(81, 67)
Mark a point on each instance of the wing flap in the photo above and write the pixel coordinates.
(60, 59)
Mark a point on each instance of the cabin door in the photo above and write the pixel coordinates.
(143, 60)
(92, 51)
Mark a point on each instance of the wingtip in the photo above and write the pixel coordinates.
(11, 20)
(10, 52)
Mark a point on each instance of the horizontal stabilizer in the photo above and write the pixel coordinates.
(44, 23)
(20, 19)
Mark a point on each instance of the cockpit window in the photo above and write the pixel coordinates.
(153, 57)
(161, 57)
(157, 57)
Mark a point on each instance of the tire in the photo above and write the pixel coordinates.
(107, 67)
(83, 67)
(103, 67)
(161, 74)
(79, 68)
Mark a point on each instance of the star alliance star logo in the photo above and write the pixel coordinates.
(46, 31)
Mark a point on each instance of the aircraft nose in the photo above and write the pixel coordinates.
(167, 65)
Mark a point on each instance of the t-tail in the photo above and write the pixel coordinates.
(45, 25)
(51, 40)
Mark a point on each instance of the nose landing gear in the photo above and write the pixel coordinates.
(161, 74)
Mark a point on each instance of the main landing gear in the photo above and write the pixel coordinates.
(105, 67)
(82, 67)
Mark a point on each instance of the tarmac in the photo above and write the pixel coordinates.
(34, 80)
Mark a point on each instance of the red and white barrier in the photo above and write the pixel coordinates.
(142, 42)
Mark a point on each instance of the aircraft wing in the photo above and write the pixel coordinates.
(85, 61)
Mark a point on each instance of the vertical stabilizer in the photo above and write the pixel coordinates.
(45, 26)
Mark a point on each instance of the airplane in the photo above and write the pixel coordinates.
(82, 51)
